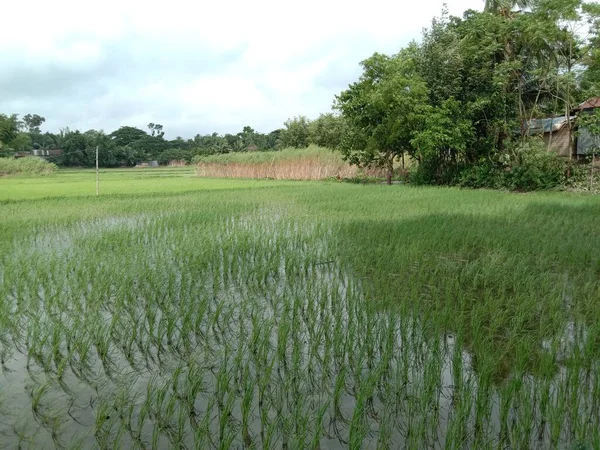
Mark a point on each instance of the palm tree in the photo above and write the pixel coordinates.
(504, 7)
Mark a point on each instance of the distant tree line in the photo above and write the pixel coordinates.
(129, 145)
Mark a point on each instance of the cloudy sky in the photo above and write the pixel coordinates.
(194, 66)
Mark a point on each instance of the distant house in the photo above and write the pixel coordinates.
(588, 105)
(555, 131)
(586, 140)
(144, 164)
(46, 153)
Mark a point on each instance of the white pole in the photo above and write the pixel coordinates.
(97, 175)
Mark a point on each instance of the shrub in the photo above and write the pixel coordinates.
(174, 154)
(26, 166)
(482, 175)
(434, 171)
(532, 167)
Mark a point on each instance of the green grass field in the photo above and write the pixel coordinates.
(180, 312)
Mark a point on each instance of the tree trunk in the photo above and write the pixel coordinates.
(390, 169)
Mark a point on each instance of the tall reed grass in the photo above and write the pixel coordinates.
(313, 163)
(30, 165)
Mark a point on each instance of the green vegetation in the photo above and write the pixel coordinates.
(116, 182)
(26, 166)
(286, 154)
(459, 102)
(310, 163)
(165, 314)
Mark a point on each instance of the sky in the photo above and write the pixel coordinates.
(194, 66)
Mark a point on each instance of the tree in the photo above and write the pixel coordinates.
(327, 130)
(127, 135)
(9, 128)
(504, 7)
(590, 77)
(441, 145)
(383, 110)
(21, 142)
(32, 123)
(296, 132)
(156, 129)
(273, 139)
(589, 122)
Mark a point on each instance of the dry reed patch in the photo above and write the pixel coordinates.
(303, 169)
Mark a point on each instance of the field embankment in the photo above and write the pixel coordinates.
(312, 163)
(26, 166)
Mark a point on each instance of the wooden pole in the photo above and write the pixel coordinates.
(592, 169)
(97, 175)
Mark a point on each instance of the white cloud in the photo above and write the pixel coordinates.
(194, 66)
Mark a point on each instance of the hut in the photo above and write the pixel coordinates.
(556, 133)
(585, 139)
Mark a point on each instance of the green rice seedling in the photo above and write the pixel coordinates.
(102, 418)
(247, 407)
(255, 311)
(37, 395)
(358, 424)
(319, 426)
(202, 435)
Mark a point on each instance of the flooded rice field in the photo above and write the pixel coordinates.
(163, 331)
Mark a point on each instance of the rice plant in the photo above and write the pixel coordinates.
(303, 316)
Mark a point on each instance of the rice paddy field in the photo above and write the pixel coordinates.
(181, 312)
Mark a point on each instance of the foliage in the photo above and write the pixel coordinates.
(296, 133)
(532, 167)
(383, 109)
(286, 154)
(328, 131)
(483, 76)
(442, 144)
(482, 175)
(590, 121)
(9, 129)
(174, 154)
(456, 100)
(32, 123)
(31, 166)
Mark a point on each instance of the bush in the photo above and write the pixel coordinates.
(532, 167)
(483, 175)
(26, 166)
(434, 171)
(174, 154)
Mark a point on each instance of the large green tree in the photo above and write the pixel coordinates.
(127, 135)
(32, 123)
(383, 110)
(9, 129)
(296, 133)
(327, 130)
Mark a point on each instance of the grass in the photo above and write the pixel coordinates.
(311, 163)
(246, 314)
(77, 183)
(25, 166)
(287, 154)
